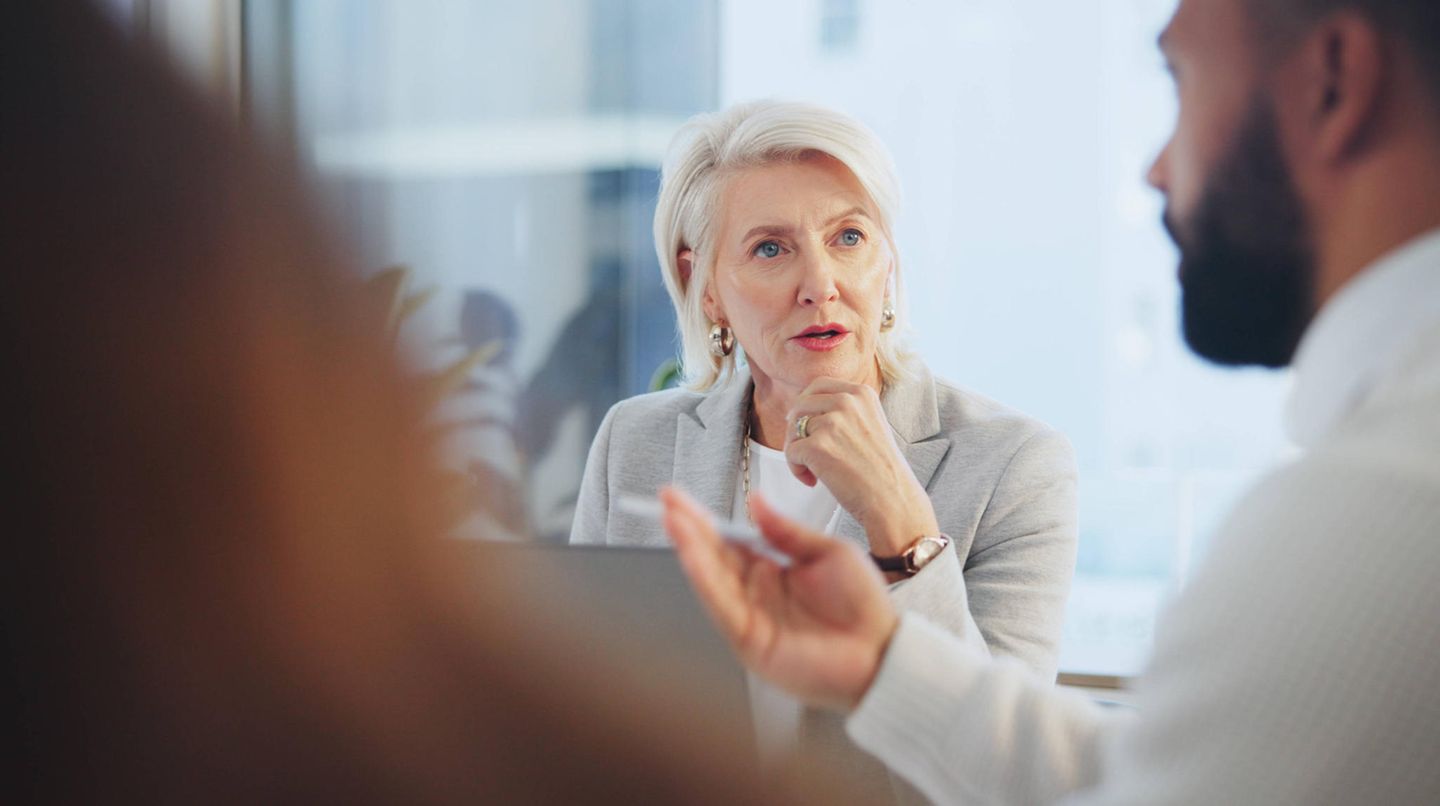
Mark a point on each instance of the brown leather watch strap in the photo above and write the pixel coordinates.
(904, 563)
(895, 564)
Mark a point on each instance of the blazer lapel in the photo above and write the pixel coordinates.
(914, 417)
(707, 445)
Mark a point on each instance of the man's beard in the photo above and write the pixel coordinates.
(1247, 271)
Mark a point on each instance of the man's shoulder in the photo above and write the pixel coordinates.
(1310, 616)
(1372, 486)
(1394, 435)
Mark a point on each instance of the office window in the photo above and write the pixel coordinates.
(508, 153)
(839, 25)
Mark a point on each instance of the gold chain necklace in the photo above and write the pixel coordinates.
(745, 456)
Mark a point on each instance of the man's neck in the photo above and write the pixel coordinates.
(1380, 208)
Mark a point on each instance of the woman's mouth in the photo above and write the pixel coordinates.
(822, 338)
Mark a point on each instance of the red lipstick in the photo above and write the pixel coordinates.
(822, 338)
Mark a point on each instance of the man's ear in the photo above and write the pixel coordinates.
(1345, 71)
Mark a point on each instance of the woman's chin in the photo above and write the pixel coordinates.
(802, 370)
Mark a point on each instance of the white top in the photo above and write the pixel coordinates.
(1302, 662)
(775, 714)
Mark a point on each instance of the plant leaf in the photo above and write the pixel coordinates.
(667, 375)
(452, 377)
(409, 305)
(384, 291)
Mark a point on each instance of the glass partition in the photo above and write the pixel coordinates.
(508, 155)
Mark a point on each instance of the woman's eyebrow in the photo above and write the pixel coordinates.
(767, 229)
(854, 212)
(786, 229)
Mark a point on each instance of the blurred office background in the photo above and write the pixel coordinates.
(508, 154)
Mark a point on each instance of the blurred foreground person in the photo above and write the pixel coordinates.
(1302, 662)
(222, 578)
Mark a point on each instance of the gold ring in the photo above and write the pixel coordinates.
(802, 425)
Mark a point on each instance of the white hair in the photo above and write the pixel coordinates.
(703, 154)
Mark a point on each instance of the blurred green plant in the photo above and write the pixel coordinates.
(667, 376)
(391, 303)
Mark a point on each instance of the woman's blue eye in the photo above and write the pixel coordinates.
(851, 237)
(768, 249)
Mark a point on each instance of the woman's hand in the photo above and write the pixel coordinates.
(817, 629)
(849, 446)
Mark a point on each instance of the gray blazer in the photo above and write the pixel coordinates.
(1003, 487)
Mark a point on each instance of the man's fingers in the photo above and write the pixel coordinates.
(706, 534)
(718, 584)
(679, 502)
(786, 535)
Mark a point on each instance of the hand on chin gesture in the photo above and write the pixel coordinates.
(847, 443)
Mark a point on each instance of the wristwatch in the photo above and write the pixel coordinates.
(912, 559)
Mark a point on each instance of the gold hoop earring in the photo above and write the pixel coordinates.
(887, 317)
(722, 340)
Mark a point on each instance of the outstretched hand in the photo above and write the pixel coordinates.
(817, 629)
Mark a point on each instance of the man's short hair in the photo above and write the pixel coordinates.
(1416, 23)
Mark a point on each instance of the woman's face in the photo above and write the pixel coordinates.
(801, 272)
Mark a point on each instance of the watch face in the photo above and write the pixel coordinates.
(926, 550)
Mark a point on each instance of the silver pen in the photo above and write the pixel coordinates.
(734, 532)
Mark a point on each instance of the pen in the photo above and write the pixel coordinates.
(734, 532)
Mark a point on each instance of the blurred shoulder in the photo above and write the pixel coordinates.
(1365, 497)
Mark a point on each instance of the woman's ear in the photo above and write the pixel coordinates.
(711, 305)
(685, 263)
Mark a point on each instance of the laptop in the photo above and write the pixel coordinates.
(626, 603)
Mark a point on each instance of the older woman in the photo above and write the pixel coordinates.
(774, 233)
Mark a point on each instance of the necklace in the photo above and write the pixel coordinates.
(745, 456)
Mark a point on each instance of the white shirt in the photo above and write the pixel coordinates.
(775, 714)
(1302, 662)
(1366, 331)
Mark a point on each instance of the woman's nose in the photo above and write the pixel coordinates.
(817, 285)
